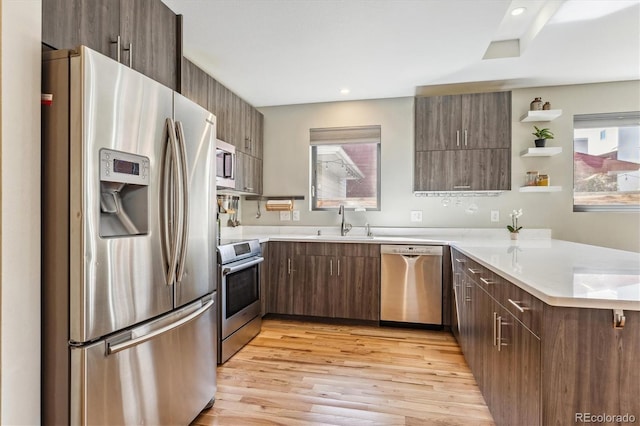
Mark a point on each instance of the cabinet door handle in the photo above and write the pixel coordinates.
(487, 282)
(460, 260)
(457, 137)
(495, 333)
(117, 43)
(130, 50)
(462, 187)
(474, 271)
(518, 305)
(499, 339)
(500, 342)
(467, 297)
(331, 267)
(465, 137)
(289, 266)
(338, 267)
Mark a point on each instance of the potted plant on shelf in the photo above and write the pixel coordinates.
(541, 136)
(514, 228)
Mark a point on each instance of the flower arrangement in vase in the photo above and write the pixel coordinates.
(514, 229)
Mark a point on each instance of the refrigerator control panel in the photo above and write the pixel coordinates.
(123, 167)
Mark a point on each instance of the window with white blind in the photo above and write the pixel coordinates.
(606, 162)
(345, 168)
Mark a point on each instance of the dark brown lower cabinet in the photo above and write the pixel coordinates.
(319, 286)
(286, 269)
(589, 366)
(330, 280)
(359, 288)
(514, 353)
(548, 364)
(502, 353)
(342, 281)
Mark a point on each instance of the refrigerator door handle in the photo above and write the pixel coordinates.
(113, 347)
(171, 231)
(184, 211)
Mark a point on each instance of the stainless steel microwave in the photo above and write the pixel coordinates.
(225, 165)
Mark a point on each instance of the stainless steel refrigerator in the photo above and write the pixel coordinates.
(129, 281)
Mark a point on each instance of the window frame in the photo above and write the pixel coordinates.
(608, 120)
(313, 205)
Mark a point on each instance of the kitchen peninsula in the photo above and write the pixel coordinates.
(548, 327)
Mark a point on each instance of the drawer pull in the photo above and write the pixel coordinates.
(487, 282)
(474, 271)
(517, 305)
(460, 260)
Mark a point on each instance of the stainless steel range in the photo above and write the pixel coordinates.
(239, 293)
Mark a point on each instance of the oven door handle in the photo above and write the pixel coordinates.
(231, 269)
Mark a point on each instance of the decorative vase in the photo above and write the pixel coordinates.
(536, 105)
(513, 235)
(540, 143)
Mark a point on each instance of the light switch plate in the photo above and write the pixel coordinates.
(296, 215)
(416, 215)
(495, 215)
(285, 215)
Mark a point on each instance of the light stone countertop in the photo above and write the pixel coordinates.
(560, 273)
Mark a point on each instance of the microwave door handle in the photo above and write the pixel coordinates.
(228, 165)
(184, 210)
(225, 164)
(170, 177)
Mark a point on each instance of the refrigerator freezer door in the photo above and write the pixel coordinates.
(196, 128)
(114, 282)
(160, 373)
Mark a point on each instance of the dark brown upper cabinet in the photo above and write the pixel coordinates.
(139, 33)
(471, 121)
(463, 142)
(195, 83)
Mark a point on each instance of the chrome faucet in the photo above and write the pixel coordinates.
(344, 227)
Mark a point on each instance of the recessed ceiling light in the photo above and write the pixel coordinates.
(344, 91)
(518, 11)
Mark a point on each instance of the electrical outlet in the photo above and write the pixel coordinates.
(416, 215)
(285, 215)
(495, 215)
(296, 215)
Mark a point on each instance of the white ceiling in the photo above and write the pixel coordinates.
(280, 52)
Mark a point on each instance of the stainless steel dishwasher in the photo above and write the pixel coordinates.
(411, 286)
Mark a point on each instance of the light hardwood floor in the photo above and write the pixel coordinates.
(302, 373)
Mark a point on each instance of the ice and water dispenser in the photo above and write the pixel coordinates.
(124, 198)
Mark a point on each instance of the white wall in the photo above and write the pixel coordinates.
(617, 230)
(286, 167)
(20, 261)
